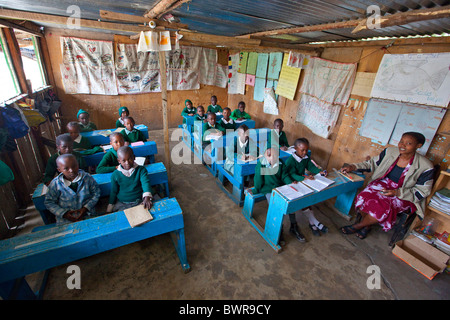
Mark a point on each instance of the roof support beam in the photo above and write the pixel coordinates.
(163, 7)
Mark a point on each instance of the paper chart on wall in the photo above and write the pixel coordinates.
(182, 68)
(288, 81)
(270, 102)
(258, 91)
(423, 119)
(363, 83)
(274, 67)
(243, 57)
(417, 78)
(380, 119)
(236, 80)
(221, 76)
(250, 80)
(252, 61)
(261, 66)
(207, 66)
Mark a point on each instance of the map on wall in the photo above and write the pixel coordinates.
(417, 78)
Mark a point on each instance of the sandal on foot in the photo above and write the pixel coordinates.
(322, 228)
(314, 229)
(362, 233)
(349, 230)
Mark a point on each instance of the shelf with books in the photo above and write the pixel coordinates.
(438, 205)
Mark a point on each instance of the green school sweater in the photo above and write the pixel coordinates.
(226, 126)
(133, 136)
(214, 109)
(207, 127)
(119, 124)
(265, 183)
(129, 189)
(236, 114)
(186, 111)
(89, 127)
(282, 140)
(83, 144)
(109, 162)
(295, 170)
(52, 169)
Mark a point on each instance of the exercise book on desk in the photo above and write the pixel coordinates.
(319, 183)
(294, 190)
(137, 215)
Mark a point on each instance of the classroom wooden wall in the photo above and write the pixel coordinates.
(145, 108)
(344, 143)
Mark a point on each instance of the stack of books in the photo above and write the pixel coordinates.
(441, 201)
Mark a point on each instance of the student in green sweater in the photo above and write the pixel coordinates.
(200, 116)
(109, 161)
(226, 122)
(130, 183)
(239, 114)
(214, 107)
(130, 134)
(80, 143)
(64, 145)
(278, 126)
(296, 166)
(189, 109)
(84, 120)
(211, 130)
(240, 147)
(123, 113)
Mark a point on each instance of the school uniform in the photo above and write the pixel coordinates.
(108, 163)
(64, 195)
(119, 123)
(236, 150)
(89, 127)
(133, 135)
(227, 125)
(81, 143)
(199, 118)
(282, 139)
(51, 169)
(186, 111)
(207, 129)
(265, 183)
(236, 114)
(214, 109)
(129, 187)
(296, 166)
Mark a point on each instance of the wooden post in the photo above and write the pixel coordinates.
(162, 71)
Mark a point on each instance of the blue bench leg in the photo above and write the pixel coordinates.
(180, 246)
(344, 201)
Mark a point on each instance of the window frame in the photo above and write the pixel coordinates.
(12, 70)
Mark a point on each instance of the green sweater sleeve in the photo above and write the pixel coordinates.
(108, 164)
(119, 124)
(293, 171)
(50, 169)
(283, 140)
(145, 180)
(114, 188)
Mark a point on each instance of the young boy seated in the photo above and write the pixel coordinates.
(214, 107)
(84, 121)
(200, 116)
(73, 194)
(240, 148)
(130, 134)
(211, 129)
(130, 183)
(123, 113)
(189, 109)
(226, 122)
(64, 145)
(239, 114)
(277, 131)
(296, 166)
(80, 143)
(109, 161)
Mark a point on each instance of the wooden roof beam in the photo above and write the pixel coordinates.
(139, 19)
(163, 7)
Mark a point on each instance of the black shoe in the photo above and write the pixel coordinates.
(294, 230)
(322, 228)
(315, 230)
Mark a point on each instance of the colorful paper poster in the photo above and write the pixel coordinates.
(270, 102)
(274, 68)
(164, 41)
(182, 68)
(250, 80)
(182, 80)
(272, 84)
(88, 66)
(329, 81)
(240, 83)
(288, 81)
(419, 118)
(363, 84)
(416, 78)
(236, 80)
(252, 61)
(258, 91)
(380, 119)
(319, 116)
(148, 41)
(221, 79)
(207, 66)
(297, 60)
(243, 57)
(261, 66)
(136, 72)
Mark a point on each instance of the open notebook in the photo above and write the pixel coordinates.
(294, 190)
(319, 183)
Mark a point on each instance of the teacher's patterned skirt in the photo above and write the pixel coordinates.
(379, 206)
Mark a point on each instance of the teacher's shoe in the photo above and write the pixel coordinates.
(294, 230)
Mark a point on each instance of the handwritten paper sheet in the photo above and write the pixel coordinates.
(252, 62)
(243, 57)
(221, 76)
(417, 78)
(236, 80)
(274, 68)
(207, 66)
(182, 68)
(261, 67)
(270, 102)
(250, 80)
(258, 91)
(288, 81)
(363, 83)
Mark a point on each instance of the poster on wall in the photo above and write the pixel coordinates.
(221, 79)
(182, 68)
(207, 66)
(88, 66)
(417, 78)
(288, 81)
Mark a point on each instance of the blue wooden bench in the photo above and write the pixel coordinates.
(157, 174)
(96, 139)
(149, 149)
(51, 247)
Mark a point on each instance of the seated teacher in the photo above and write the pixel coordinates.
(401, 180)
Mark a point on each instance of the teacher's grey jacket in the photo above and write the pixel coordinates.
(418, 179)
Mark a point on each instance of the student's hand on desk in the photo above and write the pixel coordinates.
(309, 177)
(284, 148)
(348, 168)
(147, 202)
(324, 173)
(75, 215)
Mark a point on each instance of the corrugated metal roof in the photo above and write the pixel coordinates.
(238, 17)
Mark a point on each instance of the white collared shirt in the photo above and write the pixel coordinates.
(296, 157)
(68, 182)
(78, 139)
(228, 122)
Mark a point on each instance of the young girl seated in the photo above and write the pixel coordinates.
(73, 194)
(123, 113)
(240, 148)
(226, 122)
(278, 126)
(200, 116)
(296, 165)
(239, 114)
(214, 107)
(131, 134)
(130, 183)
(189, 109)
(80, 143)
(84, 121)
(109, 161)
(211, 130)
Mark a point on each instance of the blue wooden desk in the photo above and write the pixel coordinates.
(249, 123)
(97, 139)
(148, 149)
(280, 206)
(48, 248)
(157, 174)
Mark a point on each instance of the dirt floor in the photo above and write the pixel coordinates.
(230, 261)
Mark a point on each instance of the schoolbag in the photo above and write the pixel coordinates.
(14, 123)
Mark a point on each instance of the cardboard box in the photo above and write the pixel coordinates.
(422, 256)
